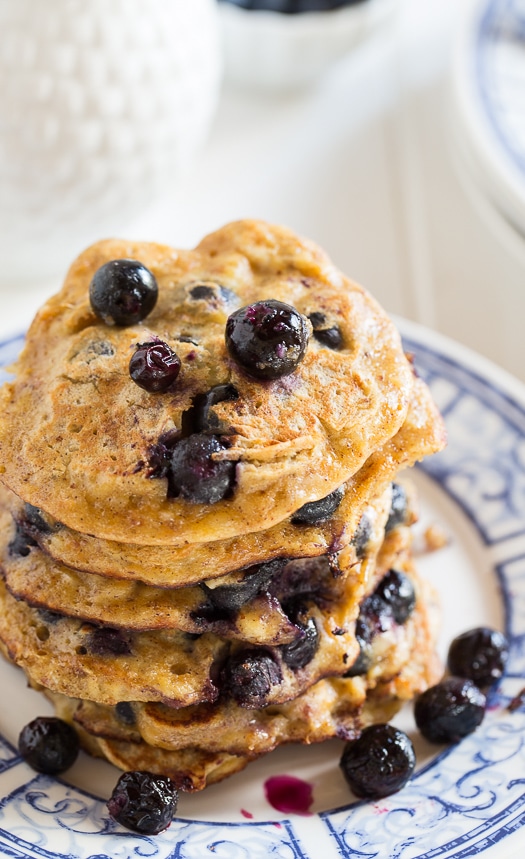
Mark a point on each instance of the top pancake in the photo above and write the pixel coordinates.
(77, 434)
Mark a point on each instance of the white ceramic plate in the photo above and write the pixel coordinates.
(489, 90)
(462, 800)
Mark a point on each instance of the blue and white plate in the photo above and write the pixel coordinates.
(463, 800)
(489, 97)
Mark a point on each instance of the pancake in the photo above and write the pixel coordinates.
(89, 452)
(422, 434)
(202, 745)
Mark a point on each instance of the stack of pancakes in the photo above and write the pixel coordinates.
(189, 638)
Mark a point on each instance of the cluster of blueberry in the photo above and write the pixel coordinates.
(379, 762)
(382, 759)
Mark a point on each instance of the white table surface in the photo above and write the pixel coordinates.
(364, 164)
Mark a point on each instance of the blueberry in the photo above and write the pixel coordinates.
(375, 616)
(106, 641)
(300, 652)
(450, 710)
(362, 662)
(22, 542)
(213, 293)
(315, 512)
(49, 745)
(256, 579)
(362, 534)
(200, 418)
(398, 509)
(268, 339)
(123, 292)
(143, 802)
(397, 592)
(379, 762)
(479, 654)
(292, 7)
(154, 366)
(125, 713)
(34, 517)
(326, 334)
(249, 676)
(194, 476)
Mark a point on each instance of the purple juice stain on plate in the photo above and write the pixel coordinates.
(289, 794)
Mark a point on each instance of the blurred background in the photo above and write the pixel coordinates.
(392, 132)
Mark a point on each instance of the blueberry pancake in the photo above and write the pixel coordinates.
(281, 378)
(332, 527)
(200, 745)
(205, 535)
(249, 605)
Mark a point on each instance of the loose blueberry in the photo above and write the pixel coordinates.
(194, 475)
(255, 580)
(315, 512)
(49, 745)
(397, 591)
(143, 802)
(450, 710)
(479, 654)
(326, 334)
(154, 366)
(249, 676)
(268, 339)
(300, 652)
(398, 508)
(379, 762)
(123, 292)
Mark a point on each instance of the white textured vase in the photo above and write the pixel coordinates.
(102, 104)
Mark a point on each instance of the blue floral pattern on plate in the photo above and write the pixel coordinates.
(464, 801)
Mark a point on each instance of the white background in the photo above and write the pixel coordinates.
(364, 163)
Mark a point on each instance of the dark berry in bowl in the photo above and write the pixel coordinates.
(143, 802)
(480, 654)
(268, 339)
(450, 710)
(154, 366)
(397, 592)
(398, 508)
(302, 650)
(194, 475)
(123, 292)
(249, 677)
(49, 745)
(315, 512)
(379, 762)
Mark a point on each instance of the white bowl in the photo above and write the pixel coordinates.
(271, 50)
(102, 104)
